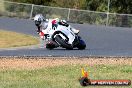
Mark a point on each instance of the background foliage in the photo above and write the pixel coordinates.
(115, 6)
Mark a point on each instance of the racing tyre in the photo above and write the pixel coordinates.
(62, 42)
(81, 45)
(49, 46)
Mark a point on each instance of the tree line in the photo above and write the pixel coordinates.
(116, 6)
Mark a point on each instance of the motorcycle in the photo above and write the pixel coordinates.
(62, 36)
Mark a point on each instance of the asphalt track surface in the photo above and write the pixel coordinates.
(100, 40)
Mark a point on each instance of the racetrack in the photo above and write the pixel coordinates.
(100, 40)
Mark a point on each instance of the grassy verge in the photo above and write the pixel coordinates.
(13, 39)
(63, 76)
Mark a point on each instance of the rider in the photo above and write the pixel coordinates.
(42, 23)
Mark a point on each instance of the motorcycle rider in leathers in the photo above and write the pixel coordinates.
(42, 23)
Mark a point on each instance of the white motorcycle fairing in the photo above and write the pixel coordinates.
(68, 32)
(50, 30)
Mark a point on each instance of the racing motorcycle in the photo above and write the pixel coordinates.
(62, 36)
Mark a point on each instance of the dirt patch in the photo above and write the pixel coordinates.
(39, 62)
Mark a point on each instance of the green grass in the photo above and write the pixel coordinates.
(13, 39)
(62, 76)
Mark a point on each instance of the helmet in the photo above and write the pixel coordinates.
(39, 19)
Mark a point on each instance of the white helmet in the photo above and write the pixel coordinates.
(39, 19)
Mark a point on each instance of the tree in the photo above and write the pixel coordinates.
(124, 7)
(76, 4)
(37, 2)
(97, 5)
(121, 6)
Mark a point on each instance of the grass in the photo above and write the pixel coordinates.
(13, 39)
(64, 76)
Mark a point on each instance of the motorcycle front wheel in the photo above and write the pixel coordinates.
(81, 45)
